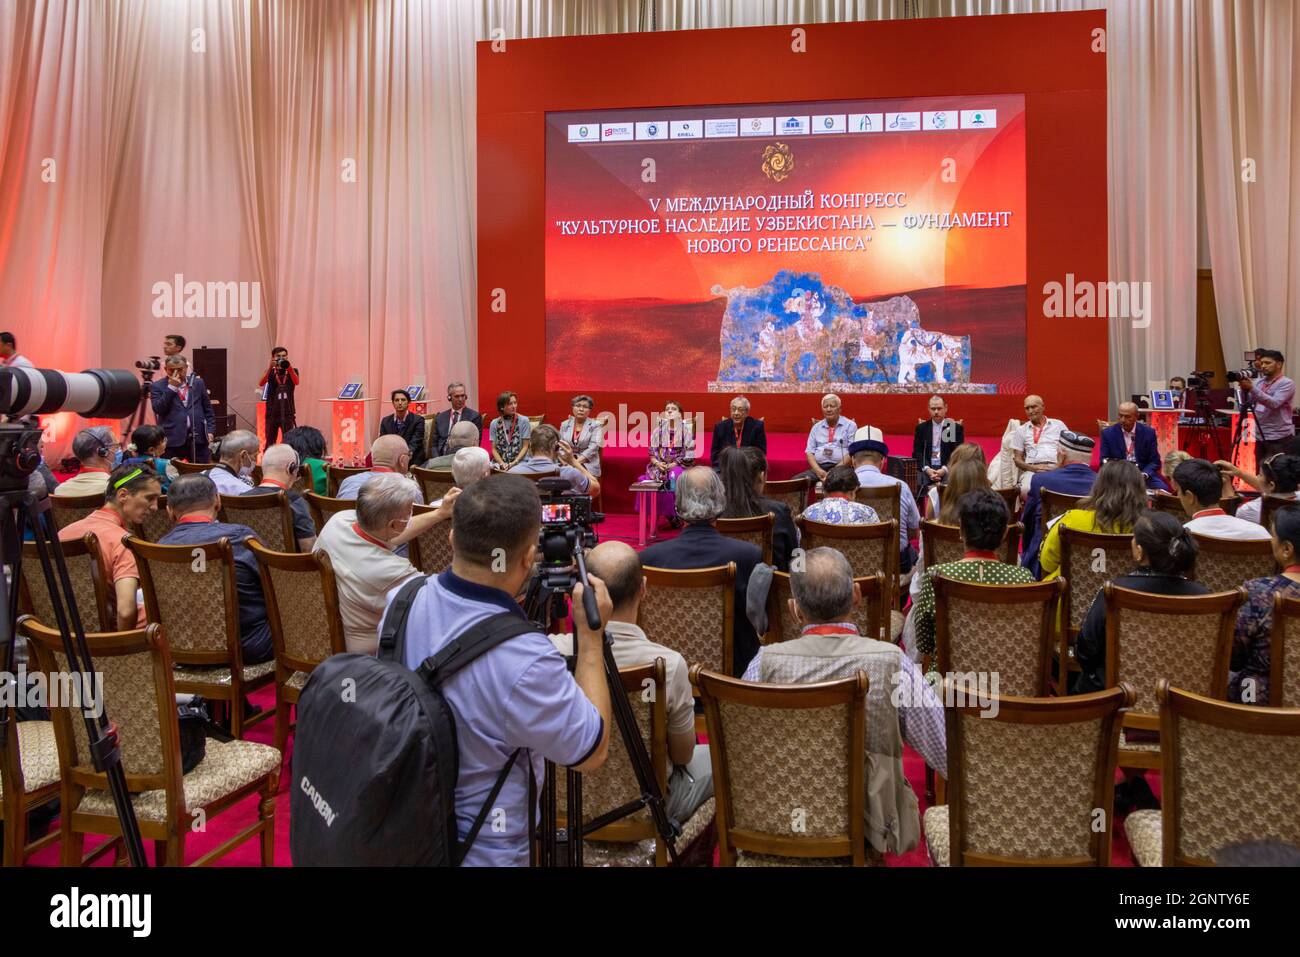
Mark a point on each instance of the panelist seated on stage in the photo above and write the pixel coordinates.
(828, 441)
(448, 419)
(508, 432)
(1200, 486)
(738, 430)
(869, 452)
(547, 455)
(1072, 476)
(405, 423)
(672, 452)
(583, 434)
(933, 443)
(464, 435)
(1033, 445)
(1278, 475)
(1136, 442)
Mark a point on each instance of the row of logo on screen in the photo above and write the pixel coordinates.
(783, 126)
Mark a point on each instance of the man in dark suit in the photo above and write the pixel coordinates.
(184, 412)
(445, 420)
(1073, 475)
(737, 430)
(406, 424)
(700, 500)
(933, 442)
(1136, 441)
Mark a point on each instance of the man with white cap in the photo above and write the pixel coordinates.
(1072, 476)
(869, 452)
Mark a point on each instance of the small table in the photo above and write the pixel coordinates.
(647, 494)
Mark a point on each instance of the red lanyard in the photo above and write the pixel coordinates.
(85, 470)
(112, 514)
(509, 430)
(356, 527)
(1038, 432)
(1291, 570)
(273, 483)
(1208, 512)
(380, 468)
(577, 429)
(739, 430)
(830, 630)
(193, 520)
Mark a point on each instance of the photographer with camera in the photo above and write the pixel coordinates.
(548, 454)
(277, 385)
(1273, 398)
(519, 694)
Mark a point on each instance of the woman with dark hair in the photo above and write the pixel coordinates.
(1117, 500)
(744, 475)
(309, 443)
(147, 445)
(1278, 475)
(1248, 677)
(672, 452)
(509, 432)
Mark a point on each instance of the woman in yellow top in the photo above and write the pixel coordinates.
(1117, 500)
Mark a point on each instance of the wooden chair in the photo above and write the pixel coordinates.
(430, 420)
(883, 498)
(535, 420)
(870, 549)
(1228, 775)
(337, 473)
(997, 629)
(430, 551)
(1171, 504)
(96, 603)
(434, 483)
(1224, 563)
(66, 509)
(191, 468)
(776, 748)
(156, 524)
(323, 508)
(1284, 655)
(1025, 777)
(1010, 497)
(194, 597)
(792, 492)
(29, 777)
(632, 841)
(268, 515)
(140, 690)
(1054, 504)
(692, 612)
(781, 625)
(1270, 504)
(302, 606)
(757, 530)
(1084, 577)
(941, 544)
(1185, 638)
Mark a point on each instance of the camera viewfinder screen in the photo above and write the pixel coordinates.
(556, 513)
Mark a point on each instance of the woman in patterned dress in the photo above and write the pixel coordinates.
(1249, 671)
(509, 432)
(672, 452)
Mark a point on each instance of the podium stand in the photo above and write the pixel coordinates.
(1165, 422)
(261, 424)
(1244, 459)
(348, 430)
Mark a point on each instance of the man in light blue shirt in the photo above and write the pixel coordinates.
(828, 441)
(385, 456)
(869, 453)
(519, 694)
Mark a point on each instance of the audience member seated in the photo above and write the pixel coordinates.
(94, 448)
(982, 517)
(147, 445)
(672, 450)
(1117, 500)
(1073, 476)
(280, 470)
(828, 441)
(901, 707)
(236, 459)
(737, 430)
(933, 443)
(1033, 446)
(548, 455)
(193, 503)
(869, 452)
(1133, 441)
(404, 423)
(700, 501)
(1166, 557)
(1278, 475)
(619, 567)
(838, 505)
(464, 435)
(744, 474)
(467, 467)
(309, 443)
(361, 545)
(582, 435)
(1249, 674)
(1173, 459)
(954, 490)
(1199, 486)
(508, 432)
(389, 454)
(131, 493)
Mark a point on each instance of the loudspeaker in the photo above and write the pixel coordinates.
(210, 365)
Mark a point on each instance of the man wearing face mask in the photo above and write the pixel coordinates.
(236, 457)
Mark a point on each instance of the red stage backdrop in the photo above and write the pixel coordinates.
(868, 208)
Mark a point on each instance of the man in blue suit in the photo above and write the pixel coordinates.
(1073, 475)
(184, 412)
(1136, 441)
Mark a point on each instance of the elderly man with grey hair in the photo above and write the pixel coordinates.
(464, 435)
(388, 454)
(448, 419)
(94, 448)
(738, 429)
(280, 470)
(469, 466)
(184, 411)
(362, 545)
(236, 459)
(901, 706)
(700, 500)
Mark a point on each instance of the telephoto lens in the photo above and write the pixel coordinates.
(94, 393)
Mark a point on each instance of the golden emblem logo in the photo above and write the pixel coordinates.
(778, 162)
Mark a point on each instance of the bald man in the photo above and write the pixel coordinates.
(389, 453)
(1135, 441)
(1033, 445)
(280, 469)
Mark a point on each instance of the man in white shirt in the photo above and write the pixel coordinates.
(828, 440)
(869, 452)
(1199, 486)
(1033, 446)
(236, 459)
(619, 567)
(9, 351)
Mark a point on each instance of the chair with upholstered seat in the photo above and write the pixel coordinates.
(941, 544)
(29, 777)
(430, 551)
(1054, 504)
(693, 612)
(66, 509)
(323, 508)
(1185, 638)
(191, 468)
(1031, 781)
(190, 590)
(1271, 503)
(756, 529)
(157, 522)
(337, 473)
(1229, 775)
(1224, 563)
(789, 770)
(140, 693)
(781, 625)
(96, 601)
(267, 514)
(1088, 561)
(302, 607)
(870, 549)
(1284, 653)
(884, 499)
(793, 493)
(434, 483)
(997, 629)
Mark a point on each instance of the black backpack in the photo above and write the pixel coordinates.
(374, 758)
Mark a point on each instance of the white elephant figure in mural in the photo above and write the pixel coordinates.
(919, 347)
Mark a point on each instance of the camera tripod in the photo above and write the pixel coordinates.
(1247, 411)
(547, 600)
(20, 509)
(1202, 428)
(138, 417)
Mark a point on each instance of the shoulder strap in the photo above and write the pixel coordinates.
(392, 640)
(462, 848)
(474, 641)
